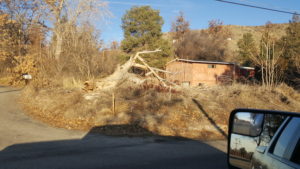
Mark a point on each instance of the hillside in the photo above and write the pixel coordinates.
(237, 32)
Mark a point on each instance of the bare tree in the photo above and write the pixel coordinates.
(66, 13)
(215, 26)
(114, 45)
(24, 12)
(269, 60)
(21, 32)
(210, 44)
(180, 26)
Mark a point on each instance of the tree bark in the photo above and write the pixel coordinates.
(58, 46)
(120, 74)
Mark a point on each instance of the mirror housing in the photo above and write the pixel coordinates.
(247, 123)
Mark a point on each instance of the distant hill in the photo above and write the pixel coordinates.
(278, 30)
(237, 31)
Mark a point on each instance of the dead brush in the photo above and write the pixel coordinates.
(160, 112)
(159, 88)
(58, 107)
(288, 92)
(220, 101)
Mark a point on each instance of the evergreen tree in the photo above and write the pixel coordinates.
(291, 44)
(142, 31)
(247, 48)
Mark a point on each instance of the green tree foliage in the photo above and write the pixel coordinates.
(291, 43)
(142, 31)
(268, 58)
(247, 47)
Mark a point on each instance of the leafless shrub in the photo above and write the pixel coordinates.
(208, 44)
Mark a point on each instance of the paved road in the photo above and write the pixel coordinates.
(26, 143)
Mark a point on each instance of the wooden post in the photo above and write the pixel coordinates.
(170, 93)
(113, 104)
(234, 73)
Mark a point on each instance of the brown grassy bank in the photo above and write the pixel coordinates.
(194, 113)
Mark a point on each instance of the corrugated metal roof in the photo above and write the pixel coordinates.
(200, 61)
(249, 68)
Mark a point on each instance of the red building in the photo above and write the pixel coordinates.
(194, 72)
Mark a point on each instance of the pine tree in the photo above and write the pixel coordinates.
(142, 31)
(247, 47)
(291, 44)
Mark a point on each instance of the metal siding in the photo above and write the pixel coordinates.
(197, 73)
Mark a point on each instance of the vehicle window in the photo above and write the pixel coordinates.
(287, 142)
(271, 124)
(296, 154)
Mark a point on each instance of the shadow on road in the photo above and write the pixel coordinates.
(115, 146)
(212, 121)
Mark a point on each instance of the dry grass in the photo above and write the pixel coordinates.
(71, 83)
(155, 109)
(5, 80)
(237, 32)
(218, 102)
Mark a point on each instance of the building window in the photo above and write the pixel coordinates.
(211, 66)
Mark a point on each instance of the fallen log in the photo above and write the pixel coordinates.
(121, 73)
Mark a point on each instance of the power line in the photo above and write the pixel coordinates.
(259, 7)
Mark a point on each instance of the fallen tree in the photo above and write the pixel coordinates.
(122, 74)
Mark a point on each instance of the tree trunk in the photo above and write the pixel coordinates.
(121, 74)
(58, 47)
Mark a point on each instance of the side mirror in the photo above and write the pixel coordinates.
(250, 133)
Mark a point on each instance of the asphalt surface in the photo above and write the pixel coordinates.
(27, 143)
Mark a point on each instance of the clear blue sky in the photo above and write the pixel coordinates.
(199, 12)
